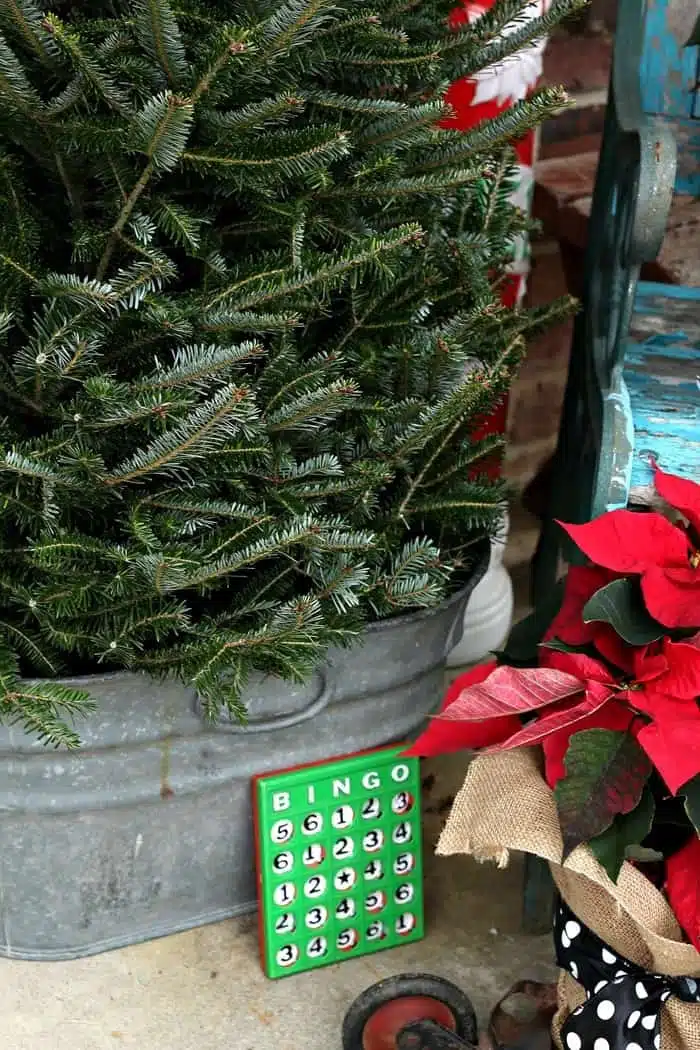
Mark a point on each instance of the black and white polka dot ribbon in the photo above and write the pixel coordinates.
(624, 1001)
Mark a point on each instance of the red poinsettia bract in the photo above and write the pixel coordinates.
(569, 626)
(589, 677)
(573, 692)
(683, 888)
(558, 697)
(663, 555)
(658, 698)
(582, 582)
(444, 738)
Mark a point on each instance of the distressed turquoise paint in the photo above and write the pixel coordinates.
(662, 366)
(668, 72)
(647, 290)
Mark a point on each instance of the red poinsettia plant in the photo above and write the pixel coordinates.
(607, 683)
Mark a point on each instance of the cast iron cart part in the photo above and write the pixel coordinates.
(412, 1011)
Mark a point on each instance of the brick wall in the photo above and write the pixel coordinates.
(577, 57)
(537, 394)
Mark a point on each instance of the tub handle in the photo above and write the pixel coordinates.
(267, 725)
(456, 630)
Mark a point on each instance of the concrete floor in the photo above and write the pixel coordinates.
(204, 990)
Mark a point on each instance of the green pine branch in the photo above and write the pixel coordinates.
(492, 135)
(329, 276)
(40, 708)
(530, 31)
(228, 415)
(249, 312)
(24, 20)
(302, 153)
(86, 63)
(15, 90)
(158, 32)
(293, 24)
(197, 365)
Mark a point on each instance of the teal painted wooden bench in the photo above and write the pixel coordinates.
(633, 390)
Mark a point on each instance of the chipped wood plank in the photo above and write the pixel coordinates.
(678, 261)
(679, 257)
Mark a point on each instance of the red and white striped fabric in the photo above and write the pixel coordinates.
(490, 93)
(484, 96)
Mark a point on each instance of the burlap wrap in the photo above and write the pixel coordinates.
(504, 805)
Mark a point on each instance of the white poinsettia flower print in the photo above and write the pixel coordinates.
(512, 79)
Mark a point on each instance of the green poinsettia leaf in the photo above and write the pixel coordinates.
(624, 836)
(525, 637)
(606, 772)
(691, 795)
(563, 647)
(620, 604)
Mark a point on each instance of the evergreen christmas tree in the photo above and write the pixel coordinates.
(249, 294)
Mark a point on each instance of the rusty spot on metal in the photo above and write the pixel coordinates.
(166, 791)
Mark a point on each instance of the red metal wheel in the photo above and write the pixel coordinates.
(375, 1019)
(382, 1028)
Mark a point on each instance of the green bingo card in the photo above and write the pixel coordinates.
(338, 848)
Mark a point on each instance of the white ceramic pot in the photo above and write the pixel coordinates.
(489, 612)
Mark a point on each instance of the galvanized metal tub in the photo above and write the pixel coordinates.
(147, 829)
